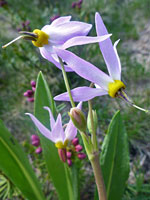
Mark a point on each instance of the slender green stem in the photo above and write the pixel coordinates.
(94, 139)
(66, 82)
(98, 177)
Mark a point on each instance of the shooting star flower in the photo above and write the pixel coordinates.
(57, 134)
(61, 33)
(105, 84)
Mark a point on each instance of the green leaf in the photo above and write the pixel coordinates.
(55, 167)
(15, 165)
(114, 158)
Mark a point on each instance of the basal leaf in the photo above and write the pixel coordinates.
(14, 163)
(55, 167)
(114, 158)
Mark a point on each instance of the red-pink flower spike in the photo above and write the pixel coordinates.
(38, 150)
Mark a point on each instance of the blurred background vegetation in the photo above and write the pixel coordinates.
(20, 63)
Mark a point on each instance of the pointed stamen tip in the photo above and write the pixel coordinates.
(142, 109)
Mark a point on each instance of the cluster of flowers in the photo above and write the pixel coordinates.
(77, 4)
(35, 140)
(25, 26)
(3, 3)
(65, 140)
(30, 93)
(53, 40)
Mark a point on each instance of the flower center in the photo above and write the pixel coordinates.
(114, 87)
(42, 38)
(61, 145)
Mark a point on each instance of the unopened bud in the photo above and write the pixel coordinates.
(31, 99)
(69, 161)
(94, 119)
(78, 119)
(78, 148)
(69, 154)
(75, 141)
(38, 150)
(62, 155)
(33, 89)
(35, 140)
(28, 93)
(81, 156)
(33, 83)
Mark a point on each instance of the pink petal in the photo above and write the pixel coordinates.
(81, 94)
(43, 130)
(58, 132)
(84, 68)
(47, 55)
(107, 50)
(81, 40)
(52, 120)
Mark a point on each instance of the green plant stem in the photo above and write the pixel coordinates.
(94, 139)
(98, 176)
(66, 82)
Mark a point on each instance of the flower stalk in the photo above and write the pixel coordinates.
(91, 146)
(98, 176)
(66, 82)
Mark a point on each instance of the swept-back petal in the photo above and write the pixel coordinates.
(70, 131)
(57, 22)
(43, 130)
(60, 34)
(61, 20)
(81, 40)
(81, 94)
(58, 132)
(52, 120)
(85, 69)
(47, 55)
(107, 50)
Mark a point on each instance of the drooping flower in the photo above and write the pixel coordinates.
(105, 84)
(61, 33)
(57, 134)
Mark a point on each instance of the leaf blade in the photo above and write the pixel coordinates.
(114, 158)
(16, 166)
(54, 165)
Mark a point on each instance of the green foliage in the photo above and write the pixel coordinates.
(15, 165)
(56, 168)
(114, 159)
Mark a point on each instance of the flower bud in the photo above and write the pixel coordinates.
(78, 148)
(30, 99)
(69, 154)
(94, 119)
(81, 156)
(62, 155)
(78, 119)
(29, 93)
(38, 150)
(33, 89)
(35, 140)
(33, 83)
(69, 161)
(75, 141)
